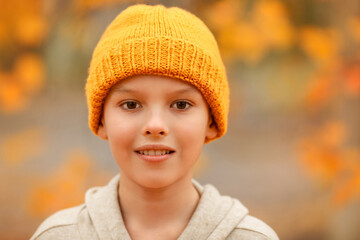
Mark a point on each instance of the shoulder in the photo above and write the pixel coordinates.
(60, 225)
(253, 228)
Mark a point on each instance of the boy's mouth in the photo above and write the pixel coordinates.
(155, 152)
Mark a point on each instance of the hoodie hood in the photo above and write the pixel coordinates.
(215, 216)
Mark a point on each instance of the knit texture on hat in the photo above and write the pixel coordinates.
(155, 40)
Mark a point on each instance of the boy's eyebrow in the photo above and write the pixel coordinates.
(129, 90)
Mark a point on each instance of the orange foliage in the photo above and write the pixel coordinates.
(85, 5)
(26, 79)
(333, 134)
(351, 75)
(331, 80)
(349, 188)
(20, 147)
(243, 41)
(30, 30)
(24, 21)
(22, 25)
(223, 18)
(321, 153)
(320, 163)
(63, 188)
(249, 39)
(325, 157)
(354, 28)
(321, 45)
(12, 98)
(3, 33)
(353, 81)
(29, 71)
(272, 21)
(320, 91)
(223, 14)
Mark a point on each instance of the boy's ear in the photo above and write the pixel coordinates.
(102, 130)
(212, 130)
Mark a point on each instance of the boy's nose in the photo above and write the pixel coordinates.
(155, 126)
(155, 132)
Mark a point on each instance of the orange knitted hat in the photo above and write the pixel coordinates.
(155, 40)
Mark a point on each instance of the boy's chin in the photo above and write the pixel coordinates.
(155, 182)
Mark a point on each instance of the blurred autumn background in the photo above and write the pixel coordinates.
(292, 151)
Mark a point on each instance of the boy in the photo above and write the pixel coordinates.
(156, 91)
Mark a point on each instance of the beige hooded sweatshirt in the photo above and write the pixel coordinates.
(216, 217)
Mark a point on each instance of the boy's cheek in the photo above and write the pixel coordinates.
(191, 132)
(121, 129)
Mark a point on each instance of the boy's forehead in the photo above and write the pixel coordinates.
(148, 82)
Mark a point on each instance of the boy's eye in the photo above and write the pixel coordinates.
(182, 105)
(130, 105)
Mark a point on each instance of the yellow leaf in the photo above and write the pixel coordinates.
(271, 19)
(325, 157)
(333, 134)
(65, 187)
(348, 190)
(352, 79)
(354, 28)
(4, 35)
(12, 97)
(20, 147)
(41, 200)
(223, 14)
(352, 158)
(322, 152)
(322, 45)
(30, 29)
(29, 71)
(323, 164)
(86, 5)
(320, 92)
(247, 43)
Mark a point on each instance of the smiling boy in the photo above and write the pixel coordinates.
(157, 91)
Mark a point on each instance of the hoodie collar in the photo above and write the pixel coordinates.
(104, 210)
(215, 215)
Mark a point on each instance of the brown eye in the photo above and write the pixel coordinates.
(130, 105)
(182, 105)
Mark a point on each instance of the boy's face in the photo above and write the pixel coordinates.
(144, 110)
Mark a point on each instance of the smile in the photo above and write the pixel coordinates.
(155, 152)
(155, 156)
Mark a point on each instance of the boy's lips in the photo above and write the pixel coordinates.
(149, 147)
(155, 158)
(154, 147)
(143, 152)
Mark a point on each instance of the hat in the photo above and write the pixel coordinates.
(156, 40)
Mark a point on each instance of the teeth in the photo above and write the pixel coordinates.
(154, 152)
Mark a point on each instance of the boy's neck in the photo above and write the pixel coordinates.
(147, 209)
